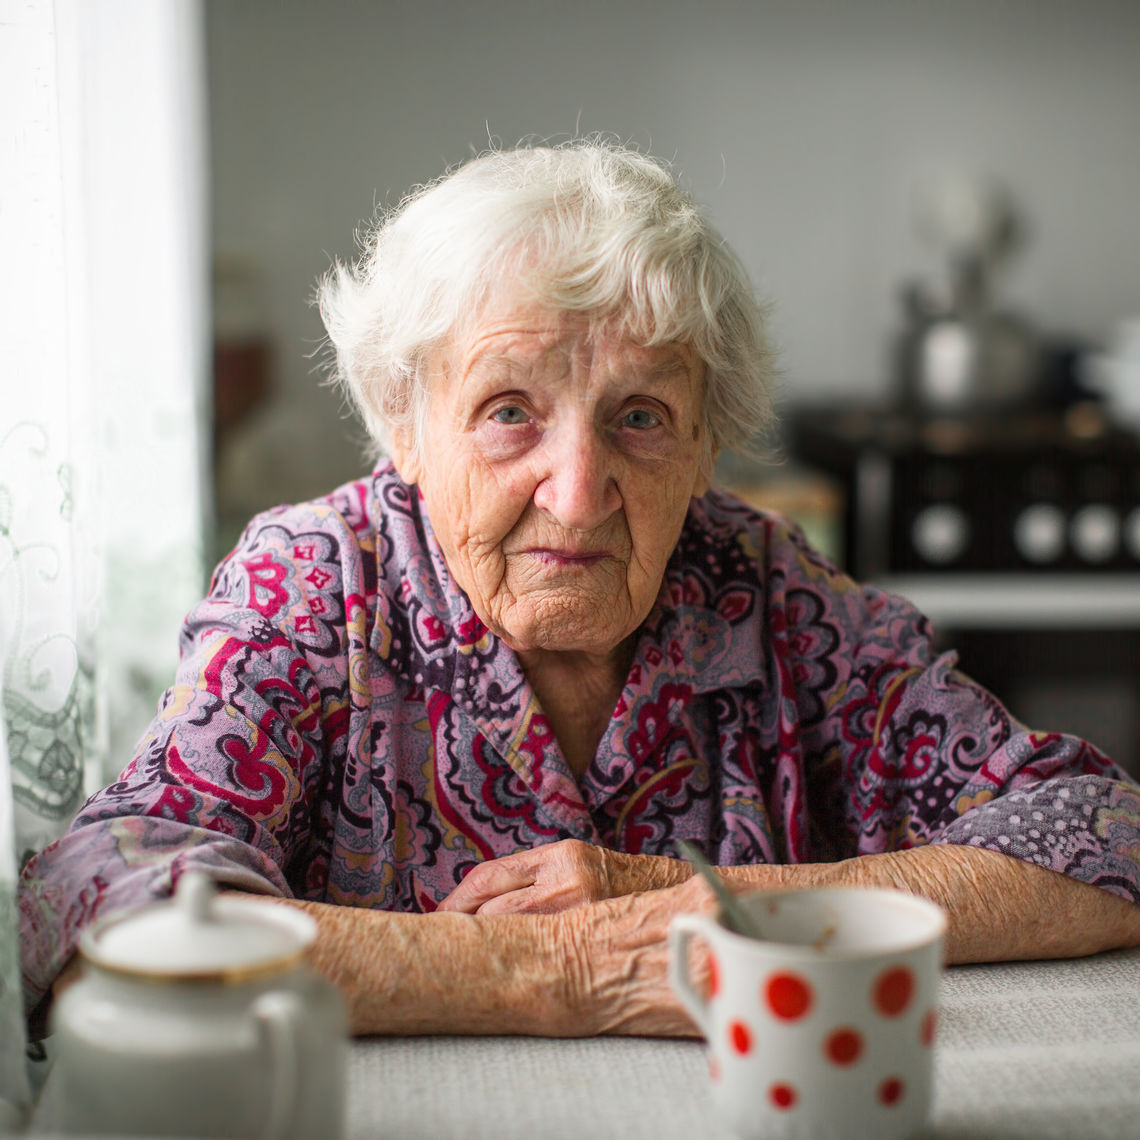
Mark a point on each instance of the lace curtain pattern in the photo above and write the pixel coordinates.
(102, 363)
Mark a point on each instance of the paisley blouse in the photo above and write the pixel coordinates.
(344, 728)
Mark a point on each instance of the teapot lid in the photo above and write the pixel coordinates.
(200, 935)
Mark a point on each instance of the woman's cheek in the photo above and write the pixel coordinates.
(495, 497)
(497, 442)
(661, 444)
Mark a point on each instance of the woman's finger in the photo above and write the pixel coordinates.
(564, 874)
(535, 899)
(488, 881)
(523, 901)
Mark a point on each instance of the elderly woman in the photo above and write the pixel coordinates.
(462, 711)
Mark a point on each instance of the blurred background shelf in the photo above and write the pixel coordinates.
(1023, 601)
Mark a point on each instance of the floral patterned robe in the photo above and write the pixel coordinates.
(344, 728)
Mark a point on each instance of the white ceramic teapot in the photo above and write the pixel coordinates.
(197, 1017)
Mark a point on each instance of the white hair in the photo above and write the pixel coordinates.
(586, 226)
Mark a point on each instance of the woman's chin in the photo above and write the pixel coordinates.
(566, 633)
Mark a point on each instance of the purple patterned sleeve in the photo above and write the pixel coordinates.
(916, 752)
(240, 740)
(1048, 798)
(1087, 827)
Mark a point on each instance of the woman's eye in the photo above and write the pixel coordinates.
(641, 419)
(509, 415)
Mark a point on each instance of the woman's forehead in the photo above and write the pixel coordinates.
(531, 334)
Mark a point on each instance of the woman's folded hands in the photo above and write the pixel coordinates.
(558, 876)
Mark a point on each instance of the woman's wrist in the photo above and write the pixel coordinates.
(627, 874)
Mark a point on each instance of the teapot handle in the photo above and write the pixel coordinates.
(278, 1015)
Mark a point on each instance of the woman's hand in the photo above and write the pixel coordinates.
(615, 964)
(559, 876)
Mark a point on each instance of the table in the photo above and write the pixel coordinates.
(1026, 1050)
(1031, 1050)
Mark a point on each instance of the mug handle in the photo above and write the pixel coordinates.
(681, 932)
(278, 1016)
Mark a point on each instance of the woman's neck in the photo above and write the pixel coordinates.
(578, 692)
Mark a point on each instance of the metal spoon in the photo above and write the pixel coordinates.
(734, 914)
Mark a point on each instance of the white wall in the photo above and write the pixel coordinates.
(801, 124)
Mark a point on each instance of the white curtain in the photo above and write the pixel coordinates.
(103, 360)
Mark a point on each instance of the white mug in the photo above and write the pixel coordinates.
(825, 1028)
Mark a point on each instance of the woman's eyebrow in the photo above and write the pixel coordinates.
(496, 363)
(674, 366)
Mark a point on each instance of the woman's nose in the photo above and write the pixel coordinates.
(579, 489)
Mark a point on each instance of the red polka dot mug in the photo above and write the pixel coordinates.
(824, 1027)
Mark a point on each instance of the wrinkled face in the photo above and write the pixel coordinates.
(557, 468)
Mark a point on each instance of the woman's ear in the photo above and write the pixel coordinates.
(704, 475)
(405, 455)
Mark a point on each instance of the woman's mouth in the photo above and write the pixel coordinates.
(549, 556)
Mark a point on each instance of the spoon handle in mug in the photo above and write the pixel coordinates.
(734, 915)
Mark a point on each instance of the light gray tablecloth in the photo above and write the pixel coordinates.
(1035, 1051)
(1026, 1050)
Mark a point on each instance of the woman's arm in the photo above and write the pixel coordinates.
(603, 967)
(600, 968)
(412, 974)
(594, 969)
(1000, 908)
